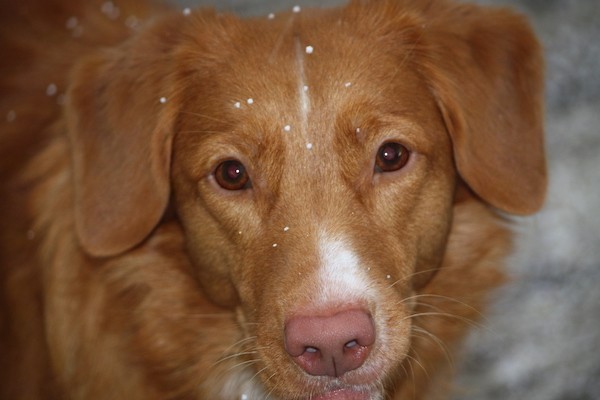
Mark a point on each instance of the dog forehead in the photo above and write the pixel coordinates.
(309, 57)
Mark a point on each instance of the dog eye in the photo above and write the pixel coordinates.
(232, 175)
(391, 156)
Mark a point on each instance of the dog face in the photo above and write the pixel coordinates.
(313, 162)
(322, 198)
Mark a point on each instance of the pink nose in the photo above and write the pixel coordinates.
(330, 345)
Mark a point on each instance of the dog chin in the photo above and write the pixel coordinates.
(340, 390)
(348, 394)
(369, 388)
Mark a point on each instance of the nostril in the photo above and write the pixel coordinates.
(351, 344)
(311, 350)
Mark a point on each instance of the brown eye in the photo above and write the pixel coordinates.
(232, 175)
(391, 156)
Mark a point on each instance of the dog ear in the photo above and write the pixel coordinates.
(486, 69)
(120, 113)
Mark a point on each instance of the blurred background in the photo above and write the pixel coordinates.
(541, 340)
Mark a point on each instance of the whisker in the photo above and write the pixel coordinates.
(446, 298)
(405, 370)
(409, 357)
(444, 314)
(229, 357)
(257, 373)
(427, 305)
(436, 340)
(239, 343)
(406, 278)
(243, 364)
(274, 387)
(425, 271)
(412, 372)
(440, 312)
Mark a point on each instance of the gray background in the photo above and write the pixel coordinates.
(542, 338)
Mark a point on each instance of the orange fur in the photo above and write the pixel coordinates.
(126, 272)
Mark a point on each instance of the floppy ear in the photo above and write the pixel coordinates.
(486, 70)
(120, 132)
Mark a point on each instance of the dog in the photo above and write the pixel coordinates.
(307, 205)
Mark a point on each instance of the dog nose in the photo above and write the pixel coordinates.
(330, 345)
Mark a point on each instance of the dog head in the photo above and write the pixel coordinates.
(313, 161)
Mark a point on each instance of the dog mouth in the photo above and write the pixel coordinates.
(345, 394)
(364, 386)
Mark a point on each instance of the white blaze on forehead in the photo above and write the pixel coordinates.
(303, 99)
(341, 275)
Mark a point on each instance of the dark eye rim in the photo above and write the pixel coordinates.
(395, 164)
(240, 183)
